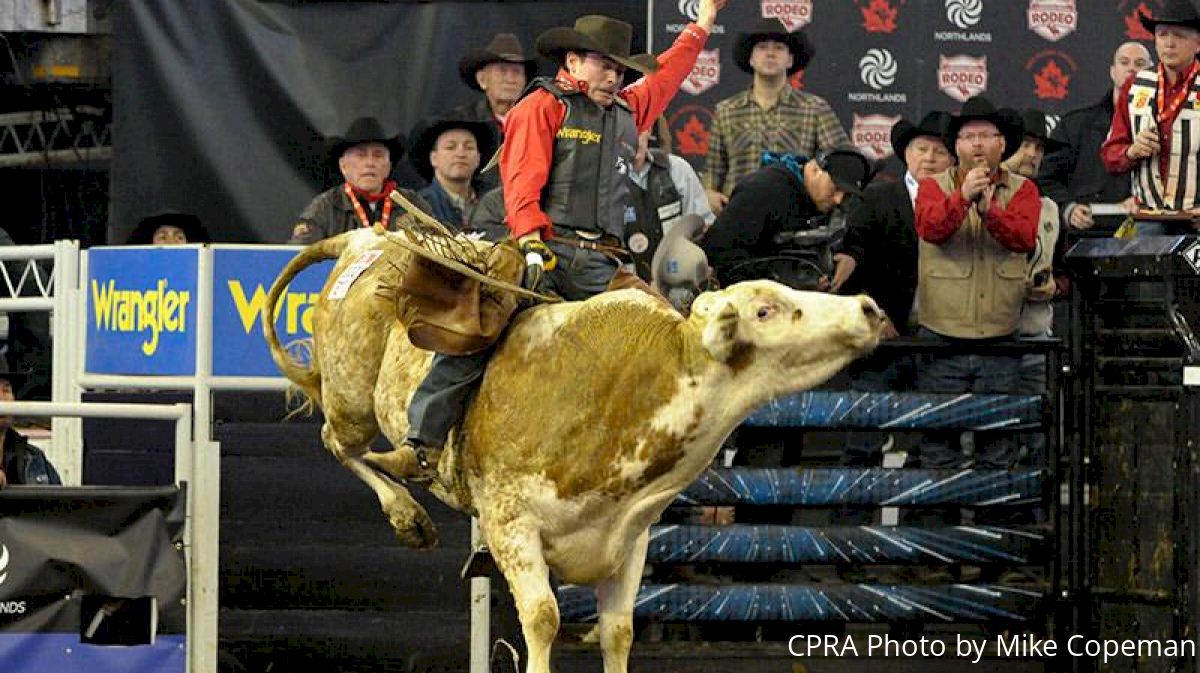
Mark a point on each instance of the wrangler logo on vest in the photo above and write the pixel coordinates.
(140, 310)
(585, 136)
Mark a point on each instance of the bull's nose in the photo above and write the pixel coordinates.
(871, 310)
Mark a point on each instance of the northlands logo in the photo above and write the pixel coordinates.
(1051, 70)
(962, 76)
(879, 16)
(705, 74)
(1052, 19)
(877, 68)
(793, 14)
(963, 14)
(690, 9)
(873, 134)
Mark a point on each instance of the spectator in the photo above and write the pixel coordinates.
(364, 156)
(169, 227)
(21, 463)
(1156, 112)
(500, 72)
(664, 189)
(1070, 175)
(770, 116)
(878, 257)
(447, 153)
(755, 235)
(977, 224)
(568, 144)
(1037, 315)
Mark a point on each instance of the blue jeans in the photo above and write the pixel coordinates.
(942, 373)
(441, 400)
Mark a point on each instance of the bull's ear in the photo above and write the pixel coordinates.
(720, 335)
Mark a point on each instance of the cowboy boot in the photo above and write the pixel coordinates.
(411, 461)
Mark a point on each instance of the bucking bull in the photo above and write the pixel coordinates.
(592, 416)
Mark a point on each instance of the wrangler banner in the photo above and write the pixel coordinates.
(92, 579)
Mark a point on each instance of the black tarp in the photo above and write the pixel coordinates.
(220, 106)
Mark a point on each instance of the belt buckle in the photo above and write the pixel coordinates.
(589, 235)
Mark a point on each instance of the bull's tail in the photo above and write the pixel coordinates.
(306, 378)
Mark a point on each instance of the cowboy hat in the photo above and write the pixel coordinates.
(193, 229)
(980, 109)
(593, 32)
(849, 168)
(425, 138)
(1174, 13)
(1033, 123)
(771, 29)
(933, 124)
(365, 130)
(504, 48)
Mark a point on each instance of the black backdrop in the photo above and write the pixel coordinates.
(220, 106)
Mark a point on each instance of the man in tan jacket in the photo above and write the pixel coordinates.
(977, 223)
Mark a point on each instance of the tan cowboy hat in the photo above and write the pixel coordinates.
(504, 48)
(593, 32)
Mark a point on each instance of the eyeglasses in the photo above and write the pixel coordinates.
(979, 137)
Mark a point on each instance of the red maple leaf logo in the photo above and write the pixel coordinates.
(692, 139)
(797, 80)
(879, 17)
(1133, 23)
(1051, 82)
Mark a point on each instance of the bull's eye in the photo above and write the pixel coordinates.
(765, 311)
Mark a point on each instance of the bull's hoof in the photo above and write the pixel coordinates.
(414, 528)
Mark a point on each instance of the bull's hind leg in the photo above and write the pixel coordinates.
(408, 518)
(517, 548)
(614, 603)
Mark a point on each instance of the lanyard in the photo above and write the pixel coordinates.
(362, 212)
(1168, 110)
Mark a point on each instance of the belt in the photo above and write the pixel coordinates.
(606, 244)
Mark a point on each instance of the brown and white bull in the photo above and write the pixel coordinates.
(592, 416)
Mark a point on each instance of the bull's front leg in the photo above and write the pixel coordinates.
(517, 548)
(614, 603)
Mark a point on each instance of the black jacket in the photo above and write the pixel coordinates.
(24, 463)
(1075, 174)
(766, 202)
(882, 239)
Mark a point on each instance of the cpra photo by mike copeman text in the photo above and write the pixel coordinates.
(976, 649)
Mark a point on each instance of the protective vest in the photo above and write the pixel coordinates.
(1180, 190)
(657, 207)
(588, 188)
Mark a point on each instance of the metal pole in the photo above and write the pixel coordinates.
(206, 485)
(481, 612)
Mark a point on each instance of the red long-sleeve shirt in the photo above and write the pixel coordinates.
(533, 123)
(939, 215)
(1120, 133)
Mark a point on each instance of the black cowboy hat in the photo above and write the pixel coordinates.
(771, 29)
(980, 109)
(504, 48)
(365, 130)
(933, 124)
(593, 32)
(1173, 12)
(850, 169)
(1033, 123)
(193, 229)
(427, 132)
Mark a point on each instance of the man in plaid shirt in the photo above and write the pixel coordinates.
(770, 115)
